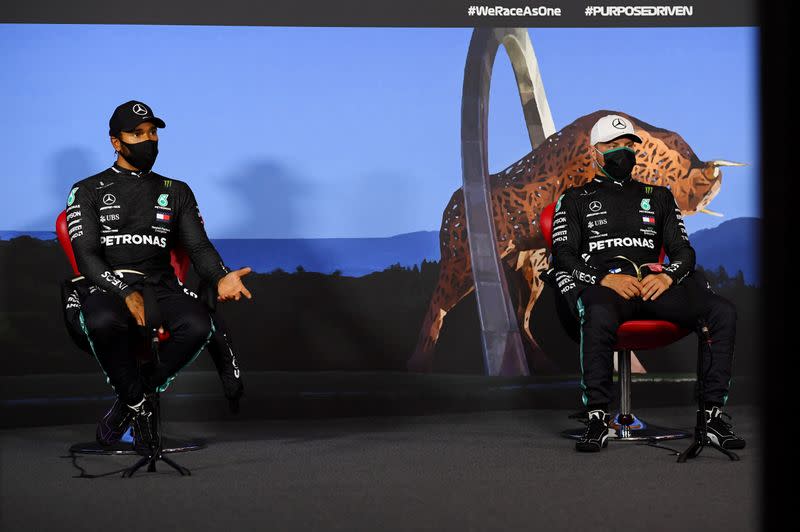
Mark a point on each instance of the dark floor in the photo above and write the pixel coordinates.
(498, 470)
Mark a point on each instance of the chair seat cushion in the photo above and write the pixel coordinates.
(648, 334)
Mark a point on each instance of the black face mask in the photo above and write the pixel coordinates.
(619, 163)
(141, 155)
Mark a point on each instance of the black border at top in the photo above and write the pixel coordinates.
(374, 13)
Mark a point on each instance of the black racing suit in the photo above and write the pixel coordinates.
(608, 226)
(120, 222)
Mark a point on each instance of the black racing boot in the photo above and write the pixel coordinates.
(596, 435)
(221, 350)
(114, 424)
(145, 427)
(720, 431)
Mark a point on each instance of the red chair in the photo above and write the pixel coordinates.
(631, 335)
(180, 262)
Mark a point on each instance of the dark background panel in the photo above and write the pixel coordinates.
(419, 13)
(308, 321)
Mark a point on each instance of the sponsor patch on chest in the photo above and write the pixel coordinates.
(626, 242)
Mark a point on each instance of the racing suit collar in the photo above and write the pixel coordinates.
(610, 180)
(124, 171)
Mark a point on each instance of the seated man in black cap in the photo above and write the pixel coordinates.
(122, 224)
(607, 236)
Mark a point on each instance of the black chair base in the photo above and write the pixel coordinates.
(637, 431)
(150, 461)
(166, 445)
(169, 445)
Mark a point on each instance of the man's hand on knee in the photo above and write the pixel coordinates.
(655, 285)
(135, 303)
(627, 286)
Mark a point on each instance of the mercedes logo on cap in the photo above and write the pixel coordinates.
(109, 199)
(619, 123)
(140, 109)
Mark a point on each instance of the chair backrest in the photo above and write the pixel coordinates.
(546, 223)
(178, 256)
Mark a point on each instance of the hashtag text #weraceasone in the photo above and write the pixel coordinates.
(502, 11)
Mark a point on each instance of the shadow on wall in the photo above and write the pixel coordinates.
(66, 167)
(267, 195)
(272, 199)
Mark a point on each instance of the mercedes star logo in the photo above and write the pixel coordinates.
(619, 123)
(109, 199)
(595, 206)
(140, 109)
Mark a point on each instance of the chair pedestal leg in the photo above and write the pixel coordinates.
(625, 426)
(179, 468)
(157, 452)
(151, 465)
(166, 445)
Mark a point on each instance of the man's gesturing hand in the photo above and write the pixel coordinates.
(231, 287)
(135, 303)
(655, 285)
(627, 286)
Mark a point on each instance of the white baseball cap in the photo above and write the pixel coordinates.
(611, 127)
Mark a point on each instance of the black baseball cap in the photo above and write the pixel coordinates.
(129, 115)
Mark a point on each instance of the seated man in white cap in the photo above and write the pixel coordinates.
(607, 235)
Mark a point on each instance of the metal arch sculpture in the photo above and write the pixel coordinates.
(500, 337)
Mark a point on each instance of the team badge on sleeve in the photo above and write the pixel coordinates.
(71, 197)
